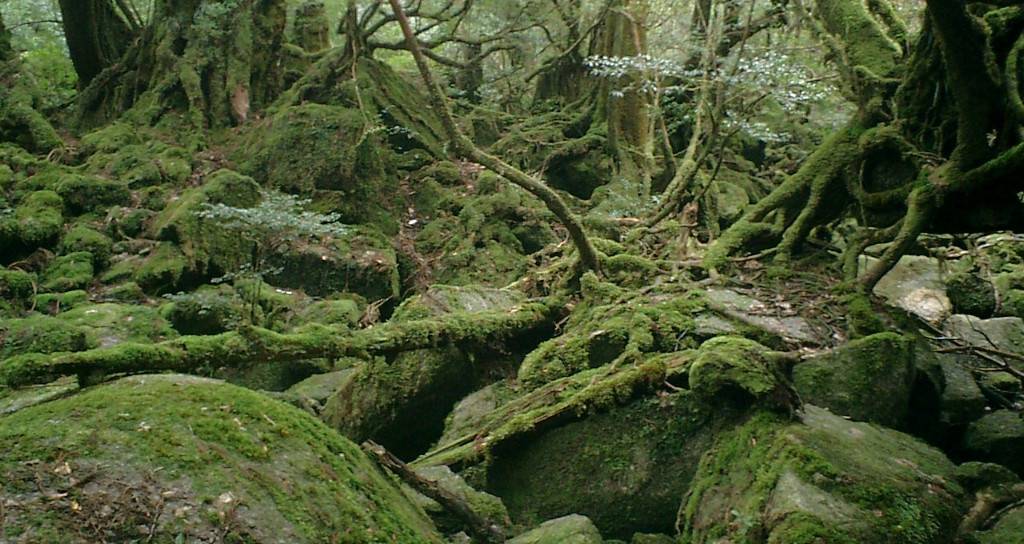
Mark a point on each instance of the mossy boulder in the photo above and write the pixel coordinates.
(823, 479)
(37, 222)
(16, 286)
(971, 294)
(83, 238)
(330, 153)
(142, 164)
(739, 369)
(110, 324)
(571, 529)
(68, 272)
(209, 248)
(1008, 528)
(625, 469)
(181, 458)
(84, 193)
(868, 379)
(361, 262)
(40, 334)
(998, 438)
(211, 309)
(54, 303)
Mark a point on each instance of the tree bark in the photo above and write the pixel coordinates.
(96, 34)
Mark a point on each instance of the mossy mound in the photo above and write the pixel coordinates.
(484, 235)
(824, 479)
(572, 529)
(361, 262)
(207, 310)
(36, 221)
(68, 272)
(210, 249)
(330, 153)
(175, 458)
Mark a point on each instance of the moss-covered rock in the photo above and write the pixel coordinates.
(40, 334)
(998, 438)
(83, 193)
(328, 152)
(37, 222)
(173, 455)
(869, 379)
(732, 367)
(108, 324)
(210, 249)
(361, 262)
(16, 287)
(140, 164)
(207, 310)
(971, 294)
(571, 529)
(83, 238)
(824, 479)
(1008, 528)
(625, 469)
(69, 272)
(54, 303)
(402, 403)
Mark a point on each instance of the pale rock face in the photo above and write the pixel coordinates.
(915, 285)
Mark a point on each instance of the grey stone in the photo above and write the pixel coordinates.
(572, 529)
(997, 438)
(915, 285)
(754, 313)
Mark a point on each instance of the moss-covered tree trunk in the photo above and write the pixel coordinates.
(96, 34)
(20, 122)
(922, 131)
(217, 61)
(622, 102)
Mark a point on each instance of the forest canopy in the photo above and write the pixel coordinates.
(533, 271)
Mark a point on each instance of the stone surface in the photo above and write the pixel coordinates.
(484, 504)
(571, 529)
(1008, 529)
(915, 285)
(822, 479)
(962, 400)
(869, 379)
(997, 438)
(181, 455)
(754, 313)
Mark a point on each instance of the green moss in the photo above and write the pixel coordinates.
(213, 446)
(823, 478)
(82, 238)
(327, 152)
(210, 249)
(207, 310)
(59, 302)
(862, 319)
(162, 270)
(971, 294)
(142, 164)
(69, 272)
(83, 193)
(36, 222)
(108, 324)
(868, 379)
(731, 364)
(624, 469)
(16, 285)
(40, 334)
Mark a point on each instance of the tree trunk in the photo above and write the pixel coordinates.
(96, 34)
(221, 60)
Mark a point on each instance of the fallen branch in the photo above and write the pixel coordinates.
(479, 527)
(201, 354)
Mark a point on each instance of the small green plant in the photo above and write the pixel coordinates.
(277, 222)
